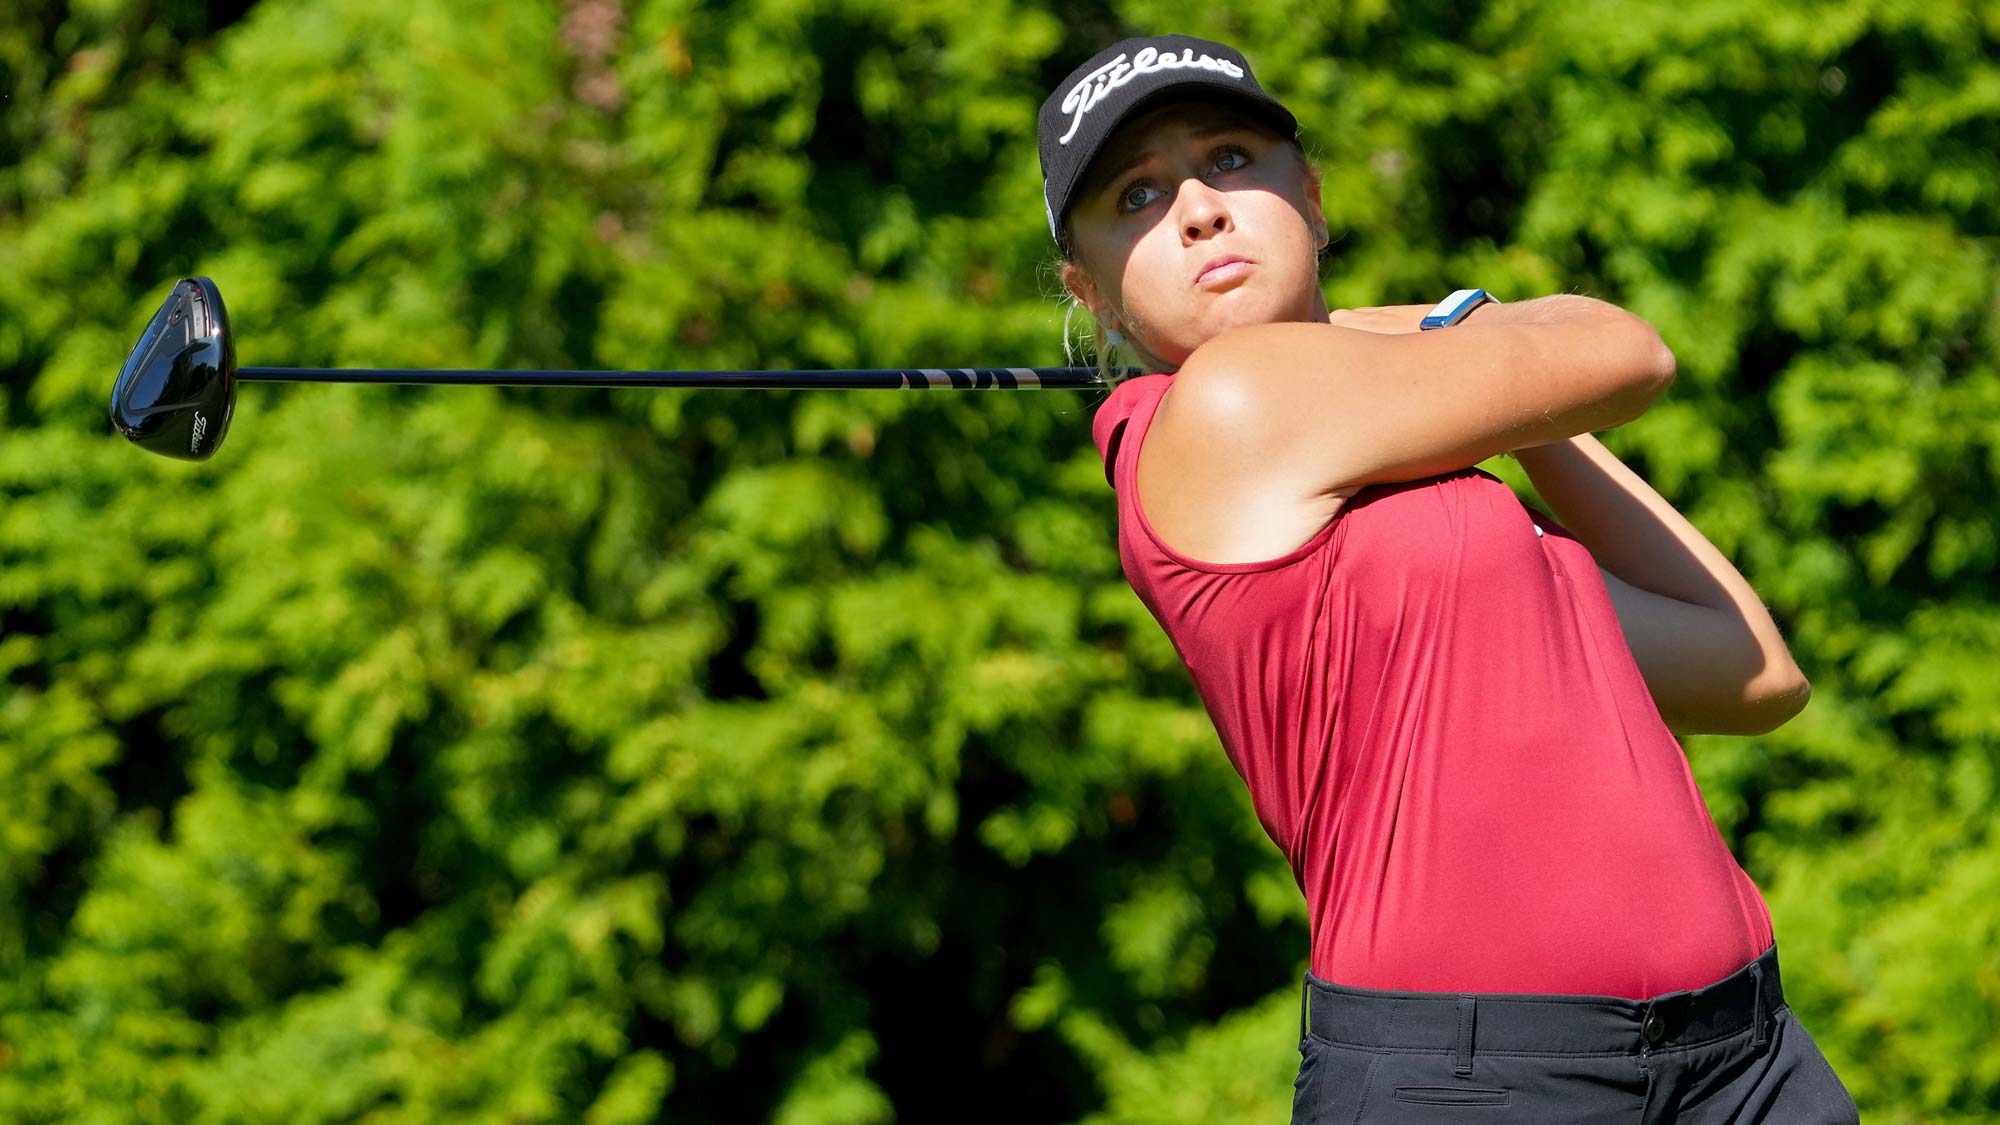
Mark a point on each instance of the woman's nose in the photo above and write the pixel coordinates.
(1204, 211)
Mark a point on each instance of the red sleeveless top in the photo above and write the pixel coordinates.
(1440, 724)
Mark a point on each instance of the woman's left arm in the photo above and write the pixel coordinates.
(1711, 654)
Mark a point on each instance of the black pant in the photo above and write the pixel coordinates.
(1730, 1052)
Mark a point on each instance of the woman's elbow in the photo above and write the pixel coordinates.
(1775, 700)
(1646, 375)
(1760, 708)
(1657, 365)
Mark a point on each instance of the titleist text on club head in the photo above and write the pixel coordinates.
(177, 390)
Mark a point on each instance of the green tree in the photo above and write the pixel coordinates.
(718, 756)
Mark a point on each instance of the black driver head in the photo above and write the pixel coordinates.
(178, 387)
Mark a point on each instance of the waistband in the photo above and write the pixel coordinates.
(1533, 1024)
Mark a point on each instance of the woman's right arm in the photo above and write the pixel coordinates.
(1271, 425)
(1326, 409)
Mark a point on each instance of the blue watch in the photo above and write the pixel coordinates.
(1452, 309)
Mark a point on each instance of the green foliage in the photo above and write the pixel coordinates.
(508, 755)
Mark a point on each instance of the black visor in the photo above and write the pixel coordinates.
(1120, 80)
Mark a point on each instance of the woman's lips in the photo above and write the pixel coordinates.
(1225, 273)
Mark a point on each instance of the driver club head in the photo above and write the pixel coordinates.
(177, 389)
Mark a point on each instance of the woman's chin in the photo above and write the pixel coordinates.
(1236, 308)
(1248, 307)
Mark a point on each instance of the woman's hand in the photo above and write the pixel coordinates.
(1385, 320)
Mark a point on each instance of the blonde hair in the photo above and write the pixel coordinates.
(1104, 344)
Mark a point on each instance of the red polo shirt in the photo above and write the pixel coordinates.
(1440, 724)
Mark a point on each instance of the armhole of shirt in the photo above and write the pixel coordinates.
(1125, 469)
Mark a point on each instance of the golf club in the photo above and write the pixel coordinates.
(177, 390)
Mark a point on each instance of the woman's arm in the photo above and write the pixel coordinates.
(1305, 410)
(1267, 428)
(1708, 648)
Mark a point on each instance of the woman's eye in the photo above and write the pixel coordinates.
(1133, 198)
(1225, 160)
(1225, 155)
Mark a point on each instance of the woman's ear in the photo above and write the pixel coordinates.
(1315, 212)
(1083, 287)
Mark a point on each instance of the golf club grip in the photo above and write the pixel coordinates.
(953, 378)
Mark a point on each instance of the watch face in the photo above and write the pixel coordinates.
(1452, 309)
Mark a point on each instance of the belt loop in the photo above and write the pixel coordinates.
(1757, 983)
(1468, 1010)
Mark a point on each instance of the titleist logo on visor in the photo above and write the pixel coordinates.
(1093, 87)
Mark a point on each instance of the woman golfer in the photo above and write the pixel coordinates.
(1453, 715)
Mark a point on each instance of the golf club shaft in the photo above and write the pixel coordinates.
(957, 378)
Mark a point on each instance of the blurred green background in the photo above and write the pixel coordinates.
(516, 756)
